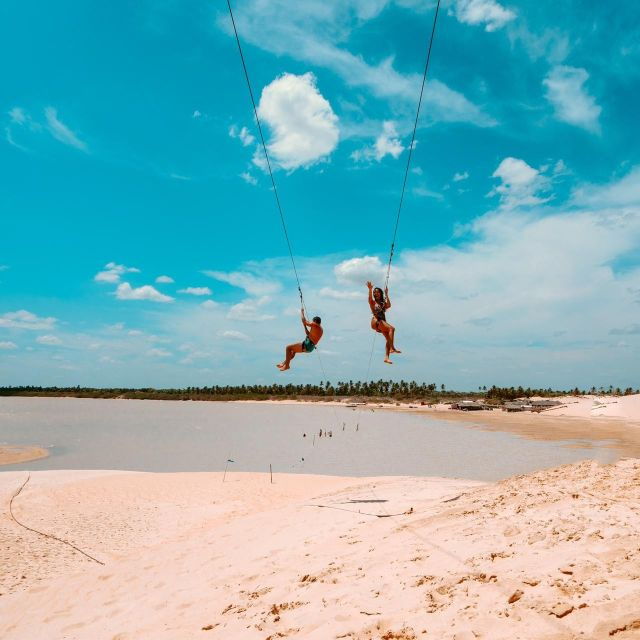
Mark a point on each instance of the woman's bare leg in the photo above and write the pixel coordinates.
(388, 345)
(393, 340)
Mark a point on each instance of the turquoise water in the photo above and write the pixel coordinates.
(151, 435)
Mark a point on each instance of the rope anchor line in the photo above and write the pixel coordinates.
(41, 533)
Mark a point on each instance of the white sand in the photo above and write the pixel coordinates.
(549, 555)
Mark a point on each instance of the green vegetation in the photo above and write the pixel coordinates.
(381, 390)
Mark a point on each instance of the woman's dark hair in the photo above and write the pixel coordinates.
(381, 293)
(317, 320)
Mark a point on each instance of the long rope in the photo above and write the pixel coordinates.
(273, 182)
(266, 153)
(406, 171)
(411, 146)
(41, 533)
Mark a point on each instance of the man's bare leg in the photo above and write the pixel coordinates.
(290, 354)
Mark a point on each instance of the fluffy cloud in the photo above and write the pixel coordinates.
(126, 292)
(337, 294)
(573, 104)
(359, 270)
(304, 128)
(25, 320)
(196, 291)
(61, 131)
(7, 345)
(487, 12)
(49, 340)
(253, 285)
(164, 280)
(209, 304)
(251, 310)
(457, 177)
(622, 192)
(112, 272)
(248, 178)
(520, 184)
(18, 115)
(231, 334)
(159, 353)
(242, 134)
(315, 31)
(387, 143)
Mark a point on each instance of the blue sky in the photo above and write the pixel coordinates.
(128, 153)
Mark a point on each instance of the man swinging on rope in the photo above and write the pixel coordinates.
(314, 333)
(379, 303)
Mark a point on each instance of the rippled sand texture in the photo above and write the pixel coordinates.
(553, 555)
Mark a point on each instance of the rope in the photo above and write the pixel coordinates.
(413, 137)
(40, 533)
(266, 154)
(273, 182)
(406, 173)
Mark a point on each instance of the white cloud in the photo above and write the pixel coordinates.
(387, 143)
(126, 292)
(336, 294)
(231, 334)
(196, 114)
(573, 104)
(177, 176)
(209, 304)
(112, 272)
(61, 132)
(25, 320)
(252, 284)
(619, 193)
(488, 12)
(196, 291)
(248, 178)
(6, 344)
(18, 115)
(159, 353)
(304, 128)
(48, 340)
(457, 177)
(315, 31)
(250, 310)
(243, 134)
(423, 192)
(164, 280)
(359, 270)
(520, 184)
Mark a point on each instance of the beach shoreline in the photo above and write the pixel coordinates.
(571, 422)
(16, 454)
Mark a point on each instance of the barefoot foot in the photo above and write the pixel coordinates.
(284, 368)
(388, 361)
(394, 350)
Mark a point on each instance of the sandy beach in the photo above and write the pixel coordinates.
(13, 454)
(551, 555)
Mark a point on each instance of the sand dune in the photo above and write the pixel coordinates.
(551, 555)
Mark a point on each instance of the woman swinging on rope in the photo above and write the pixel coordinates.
(379, 303)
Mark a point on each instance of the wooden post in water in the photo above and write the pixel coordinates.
(271, 473)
